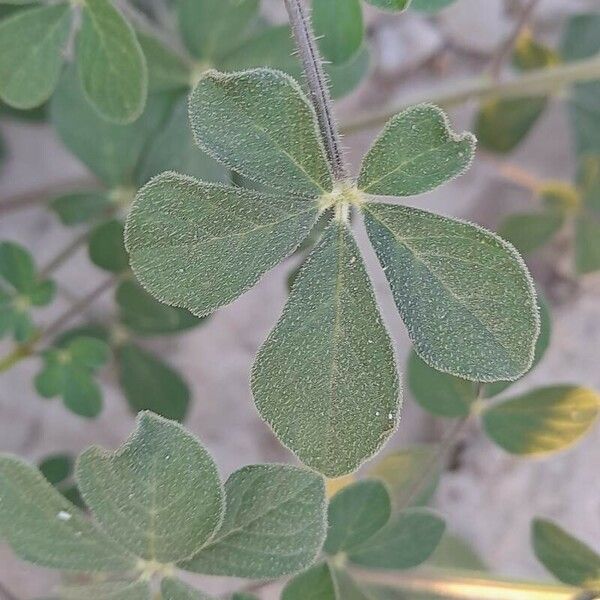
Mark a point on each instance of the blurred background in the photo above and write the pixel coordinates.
(487, 495)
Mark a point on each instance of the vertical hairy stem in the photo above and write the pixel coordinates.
(317, 84)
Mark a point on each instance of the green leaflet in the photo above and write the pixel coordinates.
(56, 468)
(568, 559)
(464, 294)
(144, 315)
(356, 513)
(106, 247)
(544, 420)
(109, 590)
(111, 63)
(199, 246)
(44, 528)
(415, 152)
(159, 495)
(347, 404)
(173, 589)
(338, 25)
(528, 231)
(31, 46)
(430, 6)
(392, 5)
(110, 151)
(150, 384)
(80, 207)
(211, 29)
(173, 148)
(406, 541)
(315, 583)
(402, 473)
(262, 126)
(587, 244)
(273, 524)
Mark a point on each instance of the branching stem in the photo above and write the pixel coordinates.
(317, 85)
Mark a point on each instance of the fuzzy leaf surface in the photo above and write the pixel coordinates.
(260, 123)
(159, 495)
(274, 524)
(325, 380)
(415, 152)
(199, 246)
(464, 293)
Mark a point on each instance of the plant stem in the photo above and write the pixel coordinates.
(317, 85)
(539, 82)
(64, 254)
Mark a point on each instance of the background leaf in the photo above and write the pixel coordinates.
(173, 589)
(430, 6)
(338, 25)
(80, 207)
(392, 5)
(529, 231)
(315, 583)
(331, 338)
(106, 247)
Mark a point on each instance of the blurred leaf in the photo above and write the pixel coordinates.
(69, 373)
(392, 5)
(415, 152)
(450, 281)
(109, 150)
(430, 6)
(529, 231)
(315, 583)
(356, 513)
(348, 403)
(588, 179)
(211, 29)
(91, 330)
(173, 148)
(34, 115)
(338, 25)
(56, 468)
(345, 78)
(144, 315)
(173, 589)
(42, 527)
(80, 207)
(148, 383)
(455, 553)
(146, 491)
(107, 590)
(587, 244)
(31, 46)
(167, 70)
(199, 245)
(106, 247)
(560, 196)
(568, 559)
(274, 524)
(402, 472)
(543, 420)
(111, 64)
(260, 123)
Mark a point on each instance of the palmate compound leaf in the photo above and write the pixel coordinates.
(159, 495)
(415, 152)
(111, 64)
(44, 528)
(464, 293)
(568, 559)
(325, 380)
(31, 46)
(262, 126)
(274, 524)
(199, 246)
(543, 420)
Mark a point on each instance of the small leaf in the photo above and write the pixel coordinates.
(315, 583)
(81, 394)
(150, 384)
(402, 472)
(543, 420)
(80, 207)
(31, 46)
(344, 78)
(42, 527)
(106, 247)
(464, 293)
(260, 123)
(274, 524)
(331, 338)
(144, 315)
(173, 148)
(110, 151)
(338, 25)
(430, 6)
(17, 267)
(529, 231)
(173, 589)
(211, 29)
(587, 244)
(199, 246)
(355, 514)
(159, 495)
(415, 152)
(56, 468)
(108, 590)
(111, 63)
(408, 539)
(392, 5)
(568, 559)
